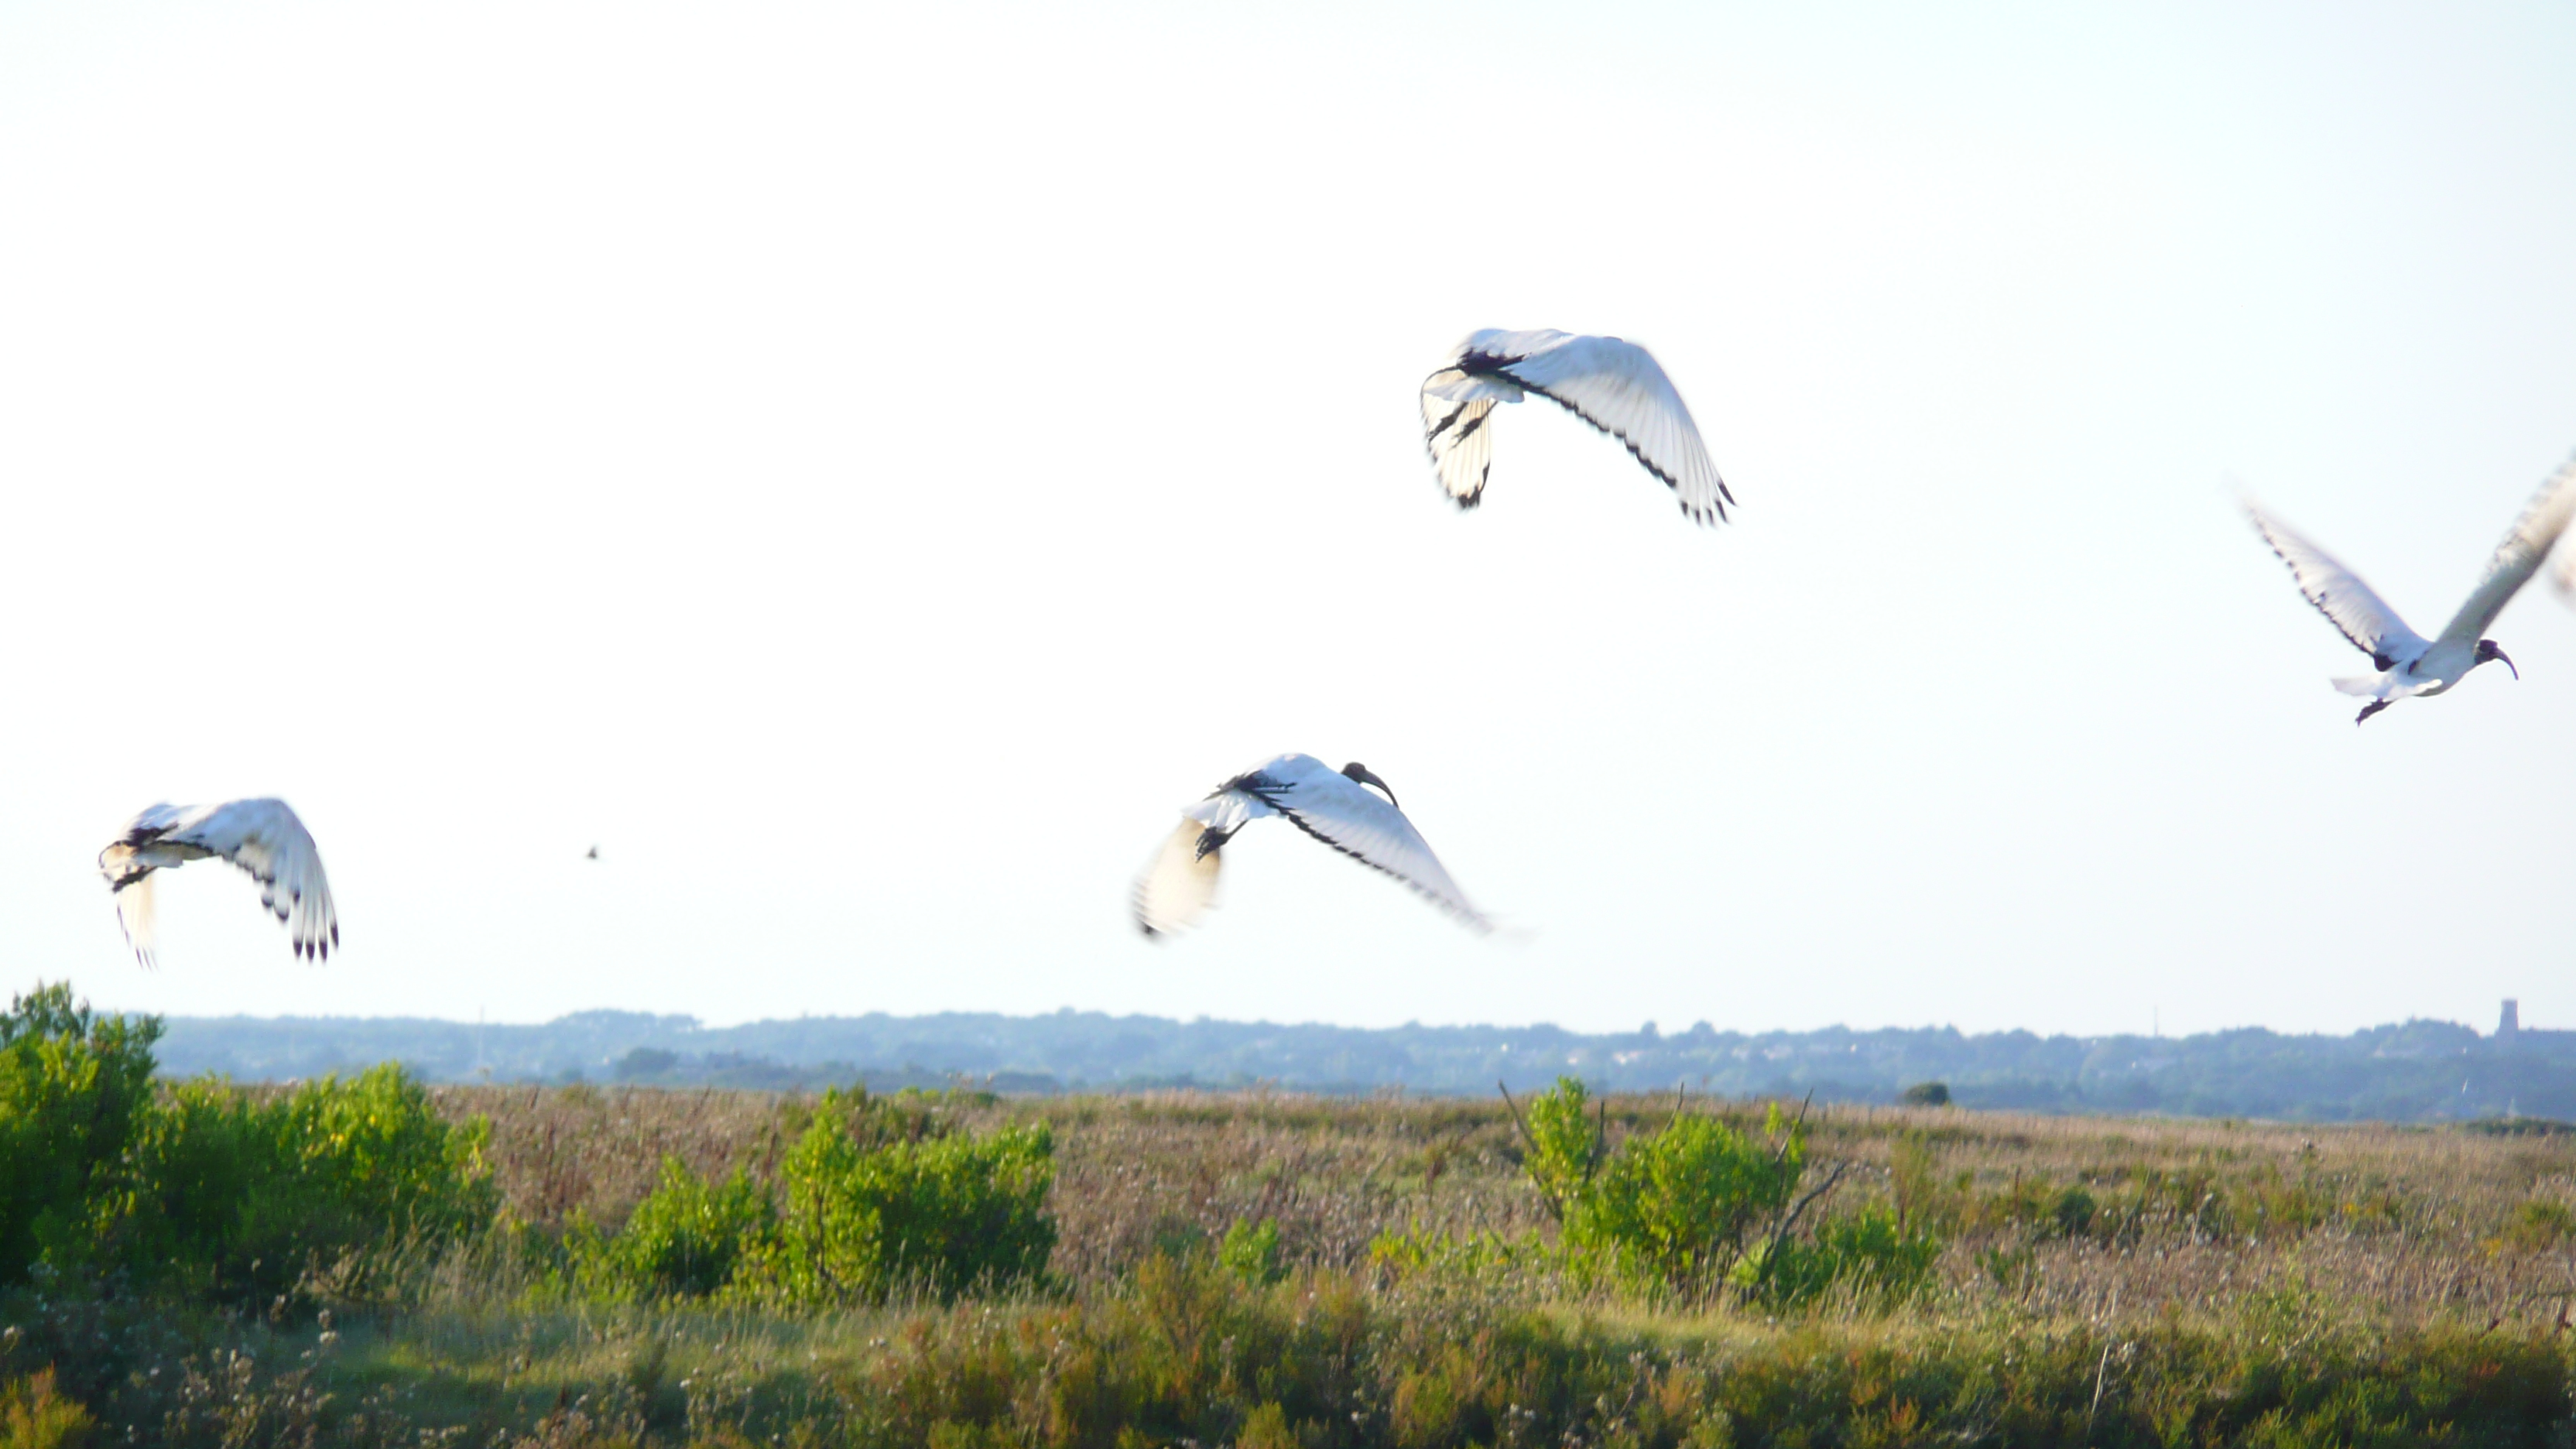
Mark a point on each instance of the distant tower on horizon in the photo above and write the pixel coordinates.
(2510, 1024)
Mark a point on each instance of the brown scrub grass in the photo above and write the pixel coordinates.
(2400, 1220)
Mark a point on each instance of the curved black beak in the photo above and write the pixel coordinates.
(2508, 663)
(1367, 776)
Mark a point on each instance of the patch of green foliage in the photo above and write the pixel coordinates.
(686, 1238)
(74, 1087)
(1251, 1252)
(2539, 1225)
(939, 1213)
(34, 1416)
(203, 1194)
(877, 1197)
(1697, 1204)
(234, 1199)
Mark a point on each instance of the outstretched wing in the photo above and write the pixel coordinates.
(2340, 595)
(1354, 820)
(1619, 388)
(266, 839)
(134, 913)
(1461, 443)
(2519, 557)
(1180, 885)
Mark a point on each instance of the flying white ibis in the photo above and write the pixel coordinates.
(1334, 806)
(1613, 385)
(263, 837)
(2409, 664)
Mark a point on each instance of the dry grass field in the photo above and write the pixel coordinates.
(2396, 1220)
(2105, 1281)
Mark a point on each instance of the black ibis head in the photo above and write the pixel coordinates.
(1367, 776)
(2487, 650)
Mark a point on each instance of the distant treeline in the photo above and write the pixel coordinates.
(2420, 1071)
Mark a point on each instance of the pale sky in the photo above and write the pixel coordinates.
(866, 467)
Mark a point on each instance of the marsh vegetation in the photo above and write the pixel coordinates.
(371, 1261)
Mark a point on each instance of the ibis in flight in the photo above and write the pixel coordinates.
(263, 837)
(1337, 807)
(2408, 664)
(1615, 386)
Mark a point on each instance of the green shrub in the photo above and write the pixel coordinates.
(1564, 1146)
(941, 1214)
(1252, 1253)
(1414, 1251)
(34, 1416)
(688, 1236)
(1678, 1205)
(235, 1199)
(1870, 1253)
(72, 1087)
(1928, 1094)
(2538, 1225)
(2072, 1213)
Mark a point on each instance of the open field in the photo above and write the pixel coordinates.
(2112, 1280)
(2401, 1219)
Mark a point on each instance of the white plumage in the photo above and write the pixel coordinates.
(263, 837)
(1615, 386)
(1334, 806)
(2410, 665)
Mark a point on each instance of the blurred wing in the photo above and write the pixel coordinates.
(2340, 595)
(1619, 388)
(1462, 446)
(134, 913)
(1354, 820)
(2519, 557)
(1180, 885)
(266, 839)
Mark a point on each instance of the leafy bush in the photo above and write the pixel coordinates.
(1564, 1145)
(2538, 1225)
(1698, 1203)
(235, 1198)
(34, 1416)
(1252, 1253)
(1870, 1253)
(685, 1239)
(940, 1213)
(208, 1193)
(1678, 1205)
(1928, 1094)
(72, 1087)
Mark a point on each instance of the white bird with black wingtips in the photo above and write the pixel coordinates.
(2410, 665)
(1615, 386)
(263, 837)
(1337, 807)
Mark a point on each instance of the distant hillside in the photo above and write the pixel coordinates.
(2420, 1071)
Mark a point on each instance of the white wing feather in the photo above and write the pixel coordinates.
(1351, 818)
(1180, 884)
(1460, 436)
(134, 913)
(1614, 385)
(2519, 557)
(2340, 595)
